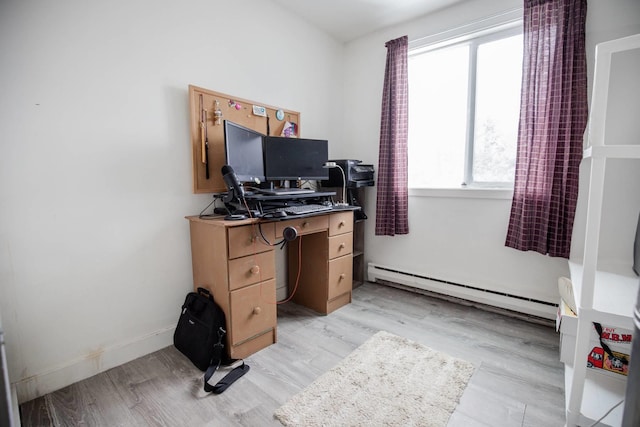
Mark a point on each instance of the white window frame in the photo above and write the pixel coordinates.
(493, 28)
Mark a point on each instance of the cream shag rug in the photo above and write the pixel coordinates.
(388, 381)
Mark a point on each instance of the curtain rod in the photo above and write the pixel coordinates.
(511, 15)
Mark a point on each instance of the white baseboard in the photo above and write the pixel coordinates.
(501, 300)
(90, 365)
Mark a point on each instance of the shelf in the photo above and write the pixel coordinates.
(600, 394)
(614, 295)
(604, 293)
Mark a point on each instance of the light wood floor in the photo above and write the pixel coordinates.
(518, 381)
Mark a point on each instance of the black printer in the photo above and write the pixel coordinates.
(356, 174)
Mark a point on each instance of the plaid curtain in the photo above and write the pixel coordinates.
(553, 118)
(392, 192)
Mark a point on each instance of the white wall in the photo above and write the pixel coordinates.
(95, 172)
(456, 239)
(95, 161)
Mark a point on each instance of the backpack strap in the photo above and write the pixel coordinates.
(227, 380)
(216, 361)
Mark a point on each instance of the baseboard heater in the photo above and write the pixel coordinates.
(502, 300)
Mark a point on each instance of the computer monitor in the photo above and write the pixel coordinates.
(295, 158)
(243, 152)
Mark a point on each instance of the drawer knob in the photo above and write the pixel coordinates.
(341, 224)
(255, 269)
(304, 224)
(342, 276)
(257, 310)
(342, 246)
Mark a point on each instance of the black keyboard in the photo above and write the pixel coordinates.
(304, 209)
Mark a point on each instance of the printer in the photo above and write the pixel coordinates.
(355, 173)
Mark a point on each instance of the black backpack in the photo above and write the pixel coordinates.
(200, 335)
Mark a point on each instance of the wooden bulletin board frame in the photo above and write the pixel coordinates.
(238, 110)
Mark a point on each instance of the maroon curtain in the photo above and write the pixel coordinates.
(553, 117)
(392, 194)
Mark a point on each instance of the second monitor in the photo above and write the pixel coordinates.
(243, 152)
(295, 158)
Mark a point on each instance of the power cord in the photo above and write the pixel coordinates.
(288, 236)
(201, 215)
(289, 233)
(281, 243)
(295, 287)
(216, 197)
(607, 413)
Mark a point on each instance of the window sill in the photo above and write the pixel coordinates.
(465, 193)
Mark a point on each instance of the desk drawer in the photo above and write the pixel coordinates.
(340, 276)
(341, 223)
(253, 311)
(251, 269)
(245, 240)
(307, 225)
(340, 245)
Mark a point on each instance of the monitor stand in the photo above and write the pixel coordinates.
(282, 191)
(287, 191)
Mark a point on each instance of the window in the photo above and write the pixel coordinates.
(464, 104)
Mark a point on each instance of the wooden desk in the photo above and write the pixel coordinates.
(232, 261)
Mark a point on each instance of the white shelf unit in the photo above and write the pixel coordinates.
(614, 297)
(604, 293)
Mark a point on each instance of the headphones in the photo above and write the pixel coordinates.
(289, 234)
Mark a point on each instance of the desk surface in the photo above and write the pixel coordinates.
(262, 197)
(209, 218)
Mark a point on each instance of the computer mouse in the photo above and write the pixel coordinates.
(279, 214)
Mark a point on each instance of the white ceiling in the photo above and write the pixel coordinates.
(349, 19)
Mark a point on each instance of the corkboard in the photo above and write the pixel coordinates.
(232, 108)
